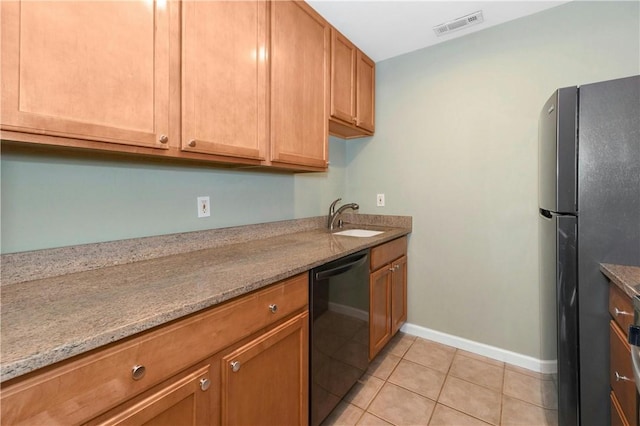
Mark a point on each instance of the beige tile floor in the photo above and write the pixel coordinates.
(419, 382)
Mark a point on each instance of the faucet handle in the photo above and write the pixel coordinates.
(332, 207)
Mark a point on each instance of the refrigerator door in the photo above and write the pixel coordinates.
(557, 156)
(559, 279)
(608, 223)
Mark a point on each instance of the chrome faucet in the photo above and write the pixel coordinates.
(333, 213)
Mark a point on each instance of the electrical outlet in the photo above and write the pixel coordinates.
(380, 200)
(204, 207)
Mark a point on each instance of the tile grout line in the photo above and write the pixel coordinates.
(504, 378)
(391, 373)
(459, 378)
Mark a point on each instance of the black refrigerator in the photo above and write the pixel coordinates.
(589, 205)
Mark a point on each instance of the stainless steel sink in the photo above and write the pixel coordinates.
(361, 233)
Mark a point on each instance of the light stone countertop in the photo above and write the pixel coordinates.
(627, 278)
(47, 320)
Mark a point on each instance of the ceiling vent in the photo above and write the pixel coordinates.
(459, 24)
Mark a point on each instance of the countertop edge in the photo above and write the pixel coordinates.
(625, 277)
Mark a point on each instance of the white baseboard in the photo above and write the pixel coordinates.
(520, 360)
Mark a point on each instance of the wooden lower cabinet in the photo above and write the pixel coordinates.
(398, 294)
(379, 310)
(387, 293)
(624, 404)
(183, 400)
(617, 418)
(185, 380)
(266, 380)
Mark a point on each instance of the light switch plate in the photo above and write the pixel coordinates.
(380, 200)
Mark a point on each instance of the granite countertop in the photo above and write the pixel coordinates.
(627, 278)
(47, 320)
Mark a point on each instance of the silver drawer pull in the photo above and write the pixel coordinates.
(137, 372)
(273, 308)
(235, 366)
(622, 313)
(204, 384)
(622, 378)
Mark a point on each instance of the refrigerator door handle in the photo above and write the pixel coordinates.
(546, 213)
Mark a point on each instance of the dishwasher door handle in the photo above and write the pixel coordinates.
(341, 268)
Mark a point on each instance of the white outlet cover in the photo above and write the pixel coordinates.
(204, 207)
(380, 200)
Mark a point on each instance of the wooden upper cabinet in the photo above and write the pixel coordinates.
(300, 40)
(352, 89)
(343, 78)
(96, 71)
(365, 92)
(224, 78)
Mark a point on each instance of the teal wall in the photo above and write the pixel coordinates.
(51, 199)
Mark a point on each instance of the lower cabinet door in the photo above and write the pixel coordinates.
(621, 373)
(379, 309)
(398, 294)
(617, 418)
(266, 380)
(183, 401)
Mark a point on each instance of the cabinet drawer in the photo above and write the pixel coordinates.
(617, 418)
(620, 308)
(388, 252)
(624, 389)
(79, 389)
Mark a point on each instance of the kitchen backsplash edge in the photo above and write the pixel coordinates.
(48, 263)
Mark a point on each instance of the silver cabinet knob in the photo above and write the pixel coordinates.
(163, 139)
(137, 372)
(392, 269)
(192, 143)
(204, 384)
(622, 378)
(618, 312)
(235, 366)
(273, 308)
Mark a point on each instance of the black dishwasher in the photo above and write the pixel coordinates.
(339, 331)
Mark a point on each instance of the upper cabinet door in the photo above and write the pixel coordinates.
(343, 78)
(365, 92)
(224, 78)
(299, 85)
(92, 70)
(352, 90)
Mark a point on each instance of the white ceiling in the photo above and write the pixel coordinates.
(386, 28)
